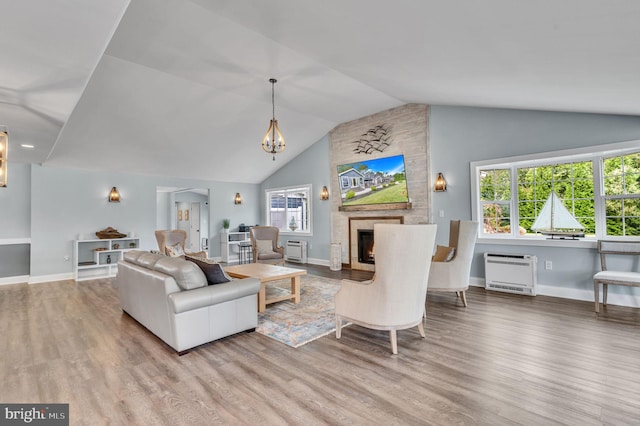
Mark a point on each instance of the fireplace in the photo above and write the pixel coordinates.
(365, 223)
(365, 246)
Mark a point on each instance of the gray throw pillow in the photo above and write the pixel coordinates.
(212, 271)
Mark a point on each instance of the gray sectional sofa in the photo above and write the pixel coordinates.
(172, 299)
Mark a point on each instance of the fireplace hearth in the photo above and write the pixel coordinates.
(365, 246)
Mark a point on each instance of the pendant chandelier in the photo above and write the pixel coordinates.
(273, 142)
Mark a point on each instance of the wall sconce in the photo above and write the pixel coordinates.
(4, 147)
(441, 184)
(237, 199)
(324, 194)
(114, 195)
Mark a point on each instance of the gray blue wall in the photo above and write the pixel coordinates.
(52, 206)
(460, 135)
(312, 166)
(15, 222)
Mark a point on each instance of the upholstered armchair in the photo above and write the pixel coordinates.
(395, 298)
(170, 240)
(451, 265)
(264, 245)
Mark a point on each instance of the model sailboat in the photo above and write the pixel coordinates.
(555, 220)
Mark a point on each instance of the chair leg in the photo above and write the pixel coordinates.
(338, 327)
(421, 330)
(394, 341)
(464, 298)
(605, 290)
(596, 295)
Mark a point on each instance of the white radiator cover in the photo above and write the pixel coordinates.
(296, 251)
(511, 273)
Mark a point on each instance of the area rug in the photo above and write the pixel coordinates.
(298, 324)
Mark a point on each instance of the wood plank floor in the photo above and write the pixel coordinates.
(504, 360)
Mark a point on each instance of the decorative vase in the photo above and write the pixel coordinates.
(108, 258)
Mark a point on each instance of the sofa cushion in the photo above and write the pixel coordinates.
(147, 260)
(212, 271)
(132, 255)
(269, 256)
(187, 274)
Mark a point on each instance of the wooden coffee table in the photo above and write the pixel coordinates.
(269, 273)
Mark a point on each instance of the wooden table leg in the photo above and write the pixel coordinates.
(295, 288)
(262, 297)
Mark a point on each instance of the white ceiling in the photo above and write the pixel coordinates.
(180, 87)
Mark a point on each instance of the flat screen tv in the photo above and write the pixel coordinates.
(377, 181)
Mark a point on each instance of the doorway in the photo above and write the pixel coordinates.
(187, 209)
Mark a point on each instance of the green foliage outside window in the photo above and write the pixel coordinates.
(621, 184)
(573, 182)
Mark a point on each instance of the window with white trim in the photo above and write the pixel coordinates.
(599, 186)
(289, 209)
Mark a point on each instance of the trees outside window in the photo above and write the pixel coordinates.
(601, 189)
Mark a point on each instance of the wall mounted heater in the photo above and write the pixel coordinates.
(296, 251)
(511, 273)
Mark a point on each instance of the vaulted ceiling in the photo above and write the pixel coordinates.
(180, 87)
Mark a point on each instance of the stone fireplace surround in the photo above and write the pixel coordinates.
(409, 136)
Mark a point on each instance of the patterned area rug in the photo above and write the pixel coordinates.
(312, 318)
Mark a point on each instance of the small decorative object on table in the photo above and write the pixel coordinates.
(132, 245)
(108, 258)
(109, 233)
(116, 246)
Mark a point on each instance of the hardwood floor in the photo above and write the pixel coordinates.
(504, 360)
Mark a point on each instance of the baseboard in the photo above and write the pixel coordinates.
(585, 295)
(48, 278)
(315, 261)
(19, 279)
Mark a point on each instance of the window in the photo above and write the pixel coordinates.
(600, 188)
(622, 194)
(289, 209)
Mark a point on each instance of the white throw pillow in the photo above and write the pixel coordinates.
(264, 246)
(175, 250)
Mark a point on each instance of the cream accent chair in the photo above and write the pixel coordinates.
(260, 255)
(395, 298)
(172, 237)
(453, 276)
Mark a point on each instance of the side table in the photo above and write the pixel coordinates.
(244, 253)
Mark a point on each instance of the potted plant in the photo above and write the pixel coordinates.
(225, 225)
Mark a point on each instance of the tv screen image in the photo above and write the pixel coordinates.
(377, 181)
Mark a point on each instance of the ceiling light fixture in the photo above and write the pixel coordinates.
(273, 142)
